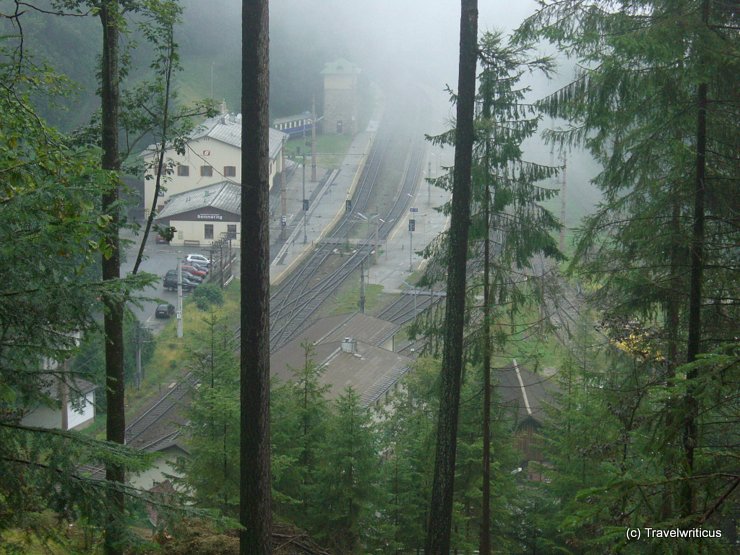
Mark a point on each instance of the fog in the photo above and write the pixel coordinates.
(398, 40)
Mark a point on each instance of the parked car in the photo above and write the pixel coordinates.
(200, 266)
(195, 271)
(165, 310)
(170, 282)
(192, 277)
(198, 258)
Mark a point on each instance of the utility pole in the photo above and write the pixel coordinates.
(283, 194)
(313, 140)
(377, 236)
(305, 201)
(362, 287)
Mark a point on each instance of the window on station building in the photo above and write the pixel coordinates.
(183, 171)
(231, 231)
(206, 171)
(208, 231)
(229, 171)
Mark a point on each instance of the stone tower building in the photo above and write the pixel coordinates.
(340, 97)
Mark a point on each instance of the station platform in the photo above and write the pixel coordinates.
(397, 258)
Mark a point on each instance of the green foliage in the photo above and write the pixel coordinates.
(656, 459)
(165, 232)
(207, 296)
(211, 471)
(508, 195)
(51, 234)
(348, 475)
(89, 362)
(299, 431)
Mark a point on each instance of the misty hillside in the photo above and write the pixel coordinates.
(486, 303)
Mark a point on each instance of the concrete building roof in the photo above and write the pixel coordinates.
(75, 386)
(223, 195)
(370, 370)
(364, 328)
(340, 66)
(227, 128)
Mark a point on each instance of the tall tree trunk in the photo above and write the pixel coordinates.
(485, 526)
(695, 293)
(440, 513)
(113, 319)
(255, 503)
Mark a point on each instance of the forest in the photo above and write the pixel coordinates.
(578, 390)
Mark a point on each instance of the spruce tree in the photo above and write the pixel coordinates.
(211, 469)
(300, 413)
(511, 230)
(348, 475)
(654, 101)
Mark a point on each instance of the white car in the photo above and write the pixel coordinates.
(199, 258)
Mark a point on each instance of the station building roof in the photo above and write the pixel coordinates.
(224, 195)
(227, 128)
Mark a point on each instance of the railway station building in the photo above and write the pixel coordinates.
(204, 215)
(212, 155)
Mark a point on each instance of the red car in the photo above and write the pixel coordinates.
(195, 271)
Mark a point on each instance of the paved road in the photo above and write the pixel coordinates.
(159, 259)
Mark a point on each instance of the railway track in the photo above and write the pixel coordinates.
(164, 406)
(299, 297)
(409, 305)
(301, 294)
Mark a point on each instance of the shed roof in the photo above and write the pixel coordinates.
(75, 385)
(223, 195)
(227, 128)
(371, 371)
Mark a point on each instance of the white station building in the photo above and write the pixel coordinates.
(212, 155)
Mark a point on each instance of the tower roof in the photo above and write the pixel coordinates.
(340, 66)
